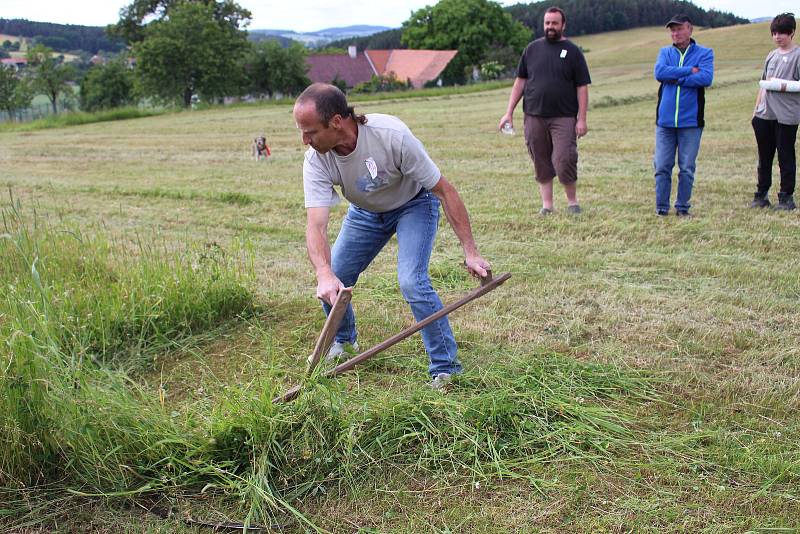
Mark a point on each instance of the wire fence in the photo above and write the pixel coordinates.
(28, 114)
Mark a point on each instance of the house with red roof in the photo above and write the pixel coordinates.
(417, 66)
(17, 63)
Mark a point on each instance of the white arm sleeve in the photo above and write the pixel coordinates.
(782, 86)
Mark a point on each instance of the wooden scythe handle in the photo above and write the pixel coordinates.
(329, 328)
(488, 286)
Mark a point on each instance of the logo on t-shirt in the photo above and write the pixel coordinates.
(372, 167)
(374, 179)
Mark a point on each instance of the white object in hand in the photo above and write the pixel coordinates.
(782, 86)
(508, 129)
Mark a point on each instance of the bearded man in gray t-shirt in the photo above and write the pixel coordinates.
(393, 187)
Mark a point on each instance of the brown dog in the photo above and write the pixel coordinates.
(260, 148)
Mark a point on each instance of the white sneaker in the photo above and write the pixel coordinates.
(339, 349)
(440, 381)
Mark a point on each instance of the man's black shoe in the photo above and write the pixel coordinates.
(662, 213)
(683, 213)
(760, 200)
(785, 202)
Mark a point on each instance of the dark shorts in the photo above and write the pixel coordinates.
(553, 147)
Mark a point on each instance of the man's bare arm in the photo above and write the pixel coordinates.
(513, 99)
(457, 216)
(581, 126)
(319, 252)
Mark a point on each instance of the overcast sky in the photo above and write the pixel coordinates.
(311, 15)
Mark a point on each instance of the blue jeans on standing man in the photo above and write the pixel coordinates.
(686, 141)
(364, 233)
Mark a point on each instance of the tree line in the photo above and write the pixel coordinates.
(589, 16)
(63, 37)
(385, 40)
(585, 17)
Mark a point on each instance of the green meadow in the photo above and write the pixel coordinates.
(635, 374)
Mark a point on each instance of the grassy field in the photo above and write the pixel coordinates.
(25, 44)
(5, 37)
(635, 374)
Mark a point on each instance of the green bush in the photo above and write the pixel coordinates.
(107, 86)
(382, 84)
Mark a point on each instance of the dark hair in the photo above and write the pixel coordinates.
(558, 10)
(329, 101)
(783, 23)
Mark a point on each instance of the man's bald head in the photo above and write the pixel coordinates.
(328, 101)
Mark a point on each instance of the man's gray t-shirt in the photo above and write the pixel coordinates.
(783, 107)
(388, 167)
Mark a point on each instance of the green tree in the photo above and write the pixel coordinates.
(132, 28)
(15, 93)
(107, 86)
(50, 75)
(473, 27)
(190, 52)
(272, 68)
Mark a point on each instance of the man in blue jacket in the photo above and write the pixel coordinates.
(684, 69)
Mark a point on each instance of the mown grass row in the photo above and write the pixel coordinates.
(235, 198)
(78, 118)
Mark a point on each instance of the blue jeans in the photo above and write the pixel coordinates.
(364, 233)
(687, 143)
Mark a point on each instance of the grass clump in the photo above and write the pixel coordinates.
(74, 311)
(235, 198)
(95, 303)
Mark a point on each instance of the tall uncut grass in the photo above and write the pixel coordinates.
(74, 312)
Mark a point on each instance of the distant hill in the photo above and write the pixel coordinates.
(385, 40)
(357, 30)
(589, 16)
(318, 38)
(93, 39)
(258, 37)
(62, 37)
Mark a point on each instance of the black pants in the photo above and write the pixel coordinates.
(771, 135)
